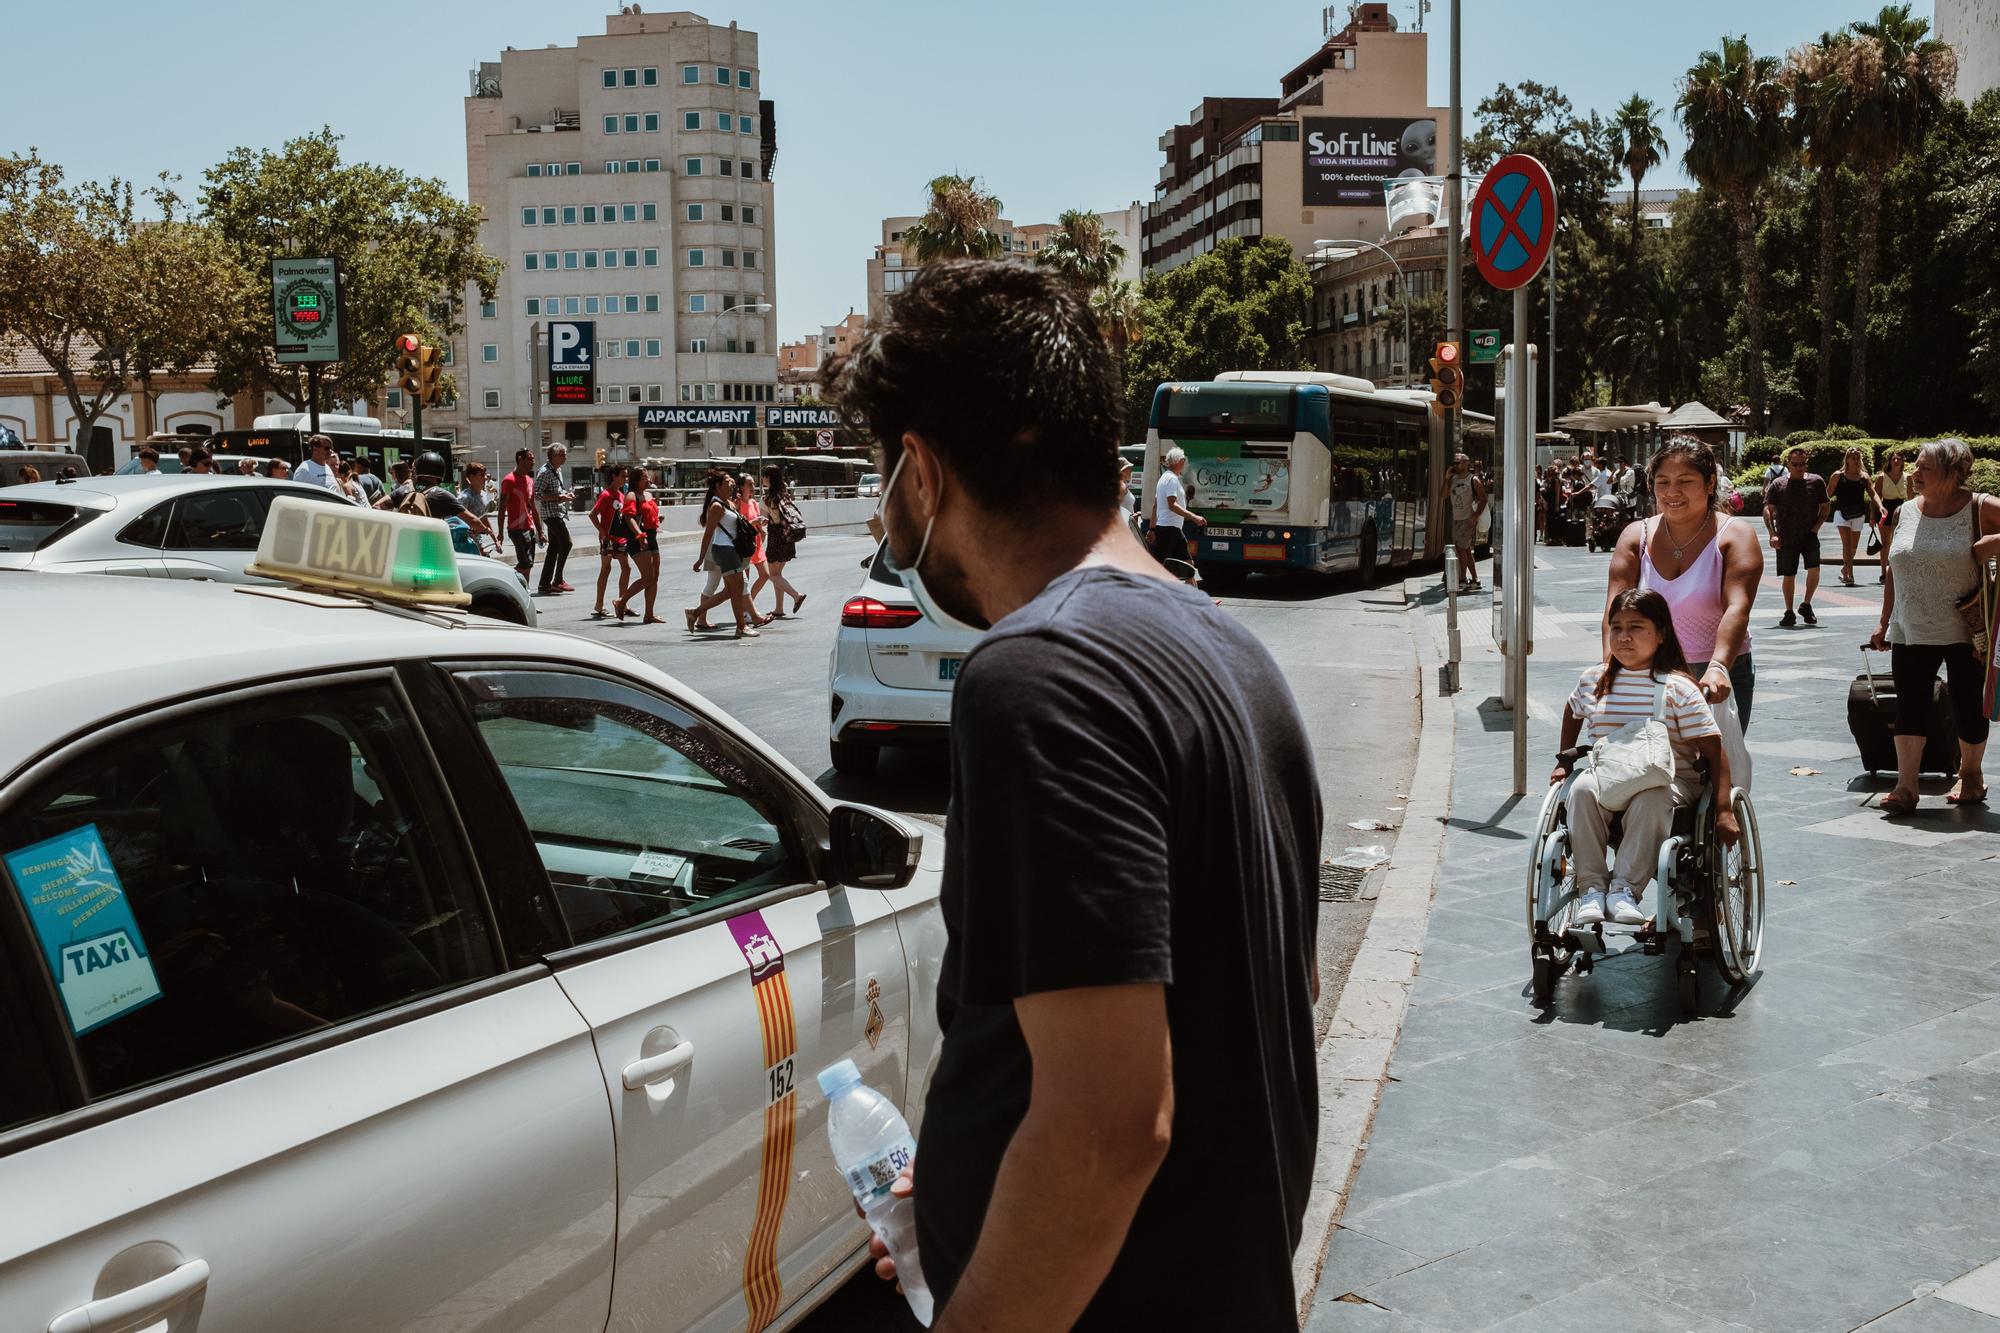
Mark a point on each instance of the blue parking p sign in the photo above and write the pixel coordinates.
(572, 361)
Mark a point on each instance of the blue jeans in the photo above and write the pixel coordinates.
(1742, 684)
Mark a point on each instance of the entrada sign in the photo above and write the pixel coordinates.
(782, 417)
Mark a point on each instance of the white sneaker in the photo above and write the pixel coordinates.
(1625, 908)
(1589, 909)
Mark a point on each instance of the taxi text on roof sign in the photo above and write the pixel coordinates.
(345, 548)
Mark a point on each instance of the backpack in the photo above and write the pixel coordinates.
(743, 537)
(416, 502)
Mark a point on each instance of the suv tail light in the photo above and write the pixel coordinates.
(868, 613)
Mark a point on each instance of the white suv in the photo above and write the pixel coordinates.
(892, 672)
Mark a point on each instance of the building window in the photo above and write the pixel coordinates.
(649, 212)
(742, 78)
(697, 344)
(589, 305)
(631, 78)
(492, 398)
(696, 259)
(631, 124)
(697, 303)
(725, 166)
(548, 217)
(534, 305)
(694, 212)
(652, 164)
(569, 259)
(611, 124)
(729, 212)
(631, 259)
(750, 346)
(749, 259)
(572, 169)
(590, 259)
(631, 164)
(631, 305)
(611, 168)
(691, 120)
(690, 73)
(722, 76)
(730, 345)
(610, 351)
(569, 216)
(611, 259)
(652, 347)
(617, 393)
(527, 217)
(611, 78)
(489, 352)
(728, 302)
(531, 261)
(748, 170)
(632, 348)
(629, 213)
(745, 125)
(570, 305)
(749, 214)
(589, 213)
(729, 259)
(655, 394)
(652, 302)
(691, 167)
(649, 77)
(534, 168)
(652, 259)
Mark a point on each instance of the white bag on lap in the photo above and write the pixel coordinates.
(1636, 758)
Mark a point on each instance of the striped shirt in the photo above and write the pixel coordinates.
(1630, 699)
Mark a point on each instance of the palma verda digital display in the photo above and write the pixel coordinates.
(305, 309)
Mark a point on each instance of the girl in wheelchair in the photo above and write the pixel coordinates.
(1644, 654)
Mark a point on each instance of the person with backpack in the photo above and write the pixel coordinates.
(781, 542)
(429, 498)
(727, 543)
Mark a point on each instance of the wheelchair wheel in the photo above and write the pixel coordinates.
(1547, 868)
(1736, 884)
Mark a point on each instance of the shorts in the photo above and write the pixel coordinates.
(1858, 522)
(724, 558)
(524, 545)
(612, 546)
(1465, 532)
(1169, 543)
(646, 543)
(1789, 556)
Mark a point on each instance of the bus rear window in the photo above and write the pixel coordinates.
(29, 525)
(1229, 409)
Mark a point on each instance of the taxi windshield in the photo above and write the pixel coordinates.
(29, 525)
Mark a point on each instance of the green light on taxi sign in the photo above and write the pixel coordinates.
(425, 561)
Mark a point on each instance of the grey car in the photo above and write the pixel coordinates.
(187, 527)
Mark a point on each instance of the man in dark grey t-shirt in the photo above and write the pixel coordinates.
(1120, 1130)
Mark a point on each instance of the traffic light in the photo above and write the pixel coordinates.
(427, 374)
(1447, 380)
(409, 363)
(600, 460)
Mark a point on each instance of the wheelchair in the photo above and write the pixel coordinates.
(1707, 899)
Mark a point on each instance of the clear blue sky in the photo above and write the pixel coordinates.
(1054, 103)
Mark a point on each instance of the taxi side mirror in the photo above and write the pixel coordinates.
(870, 851)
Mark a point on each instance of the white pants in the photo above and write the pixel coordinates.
(1648, 821)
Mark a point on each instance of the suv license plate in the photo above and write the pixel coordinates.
(1223, 532)
(948, 667)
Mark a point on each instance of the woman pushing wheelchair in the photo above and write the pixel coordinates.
(1649, 725)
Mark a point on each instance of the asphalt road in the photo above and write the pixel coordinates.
(1347, 652)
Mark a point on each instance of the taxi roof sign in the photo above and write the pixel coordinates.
(373, 552)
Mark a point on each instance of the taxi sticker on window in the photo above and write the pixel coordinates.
(86, 927)
(763, 1291)
(658, 865)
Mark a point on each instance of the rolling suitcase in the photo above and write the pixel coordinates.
(1871, 717)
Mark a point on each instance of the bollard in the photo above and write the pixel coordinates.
(1448, 671)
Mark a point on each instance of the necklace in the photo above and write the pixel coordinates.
(1681, 546)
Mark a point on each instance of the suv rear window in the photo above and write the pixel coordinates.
(29, 525)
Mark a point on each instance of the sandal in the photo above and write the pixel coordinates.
(599, 614)
(1896, 804)
(653, 620)
(1959, 796)
(799, 602)
(692, 623)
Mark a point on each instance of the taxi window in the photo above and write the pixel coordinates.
(29, 525)
(224, 520)
(640, 818)
(27, 1091)
(238, 876)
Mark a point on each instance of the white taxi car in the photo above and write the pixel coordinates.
(369, 965)
(892, 672)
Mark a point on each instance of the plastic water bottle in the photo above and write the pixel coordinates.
(872, 1144)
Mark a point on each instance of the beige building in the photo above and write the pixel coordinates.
(625, 180)
(1973, 26)
(799, 362)
(891, 265)
(1357, 326)
(1308, 164)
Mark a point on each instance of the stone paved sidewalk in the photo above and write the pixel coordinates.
(1821, 1151)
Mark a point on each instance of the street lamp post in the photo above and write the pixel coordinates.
(757, 432)
(1349, 249)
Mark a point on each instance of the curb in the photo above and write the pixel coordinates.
(1353, 1058)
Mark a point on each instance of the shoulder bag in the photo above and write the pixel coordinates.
(795, 522)
(1636, 758)
(1975, 609)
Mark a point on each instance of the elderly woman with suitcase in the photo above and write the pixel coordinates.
(1936, 548)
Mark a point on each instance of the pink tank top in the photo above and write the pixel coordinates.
(1695, 598)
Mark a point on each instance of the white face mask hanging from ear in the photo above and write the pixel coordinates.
(912, 580)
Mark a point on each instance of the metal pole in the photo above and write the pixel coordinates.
(1454, 186)
(1520, 458)
(312, 396)
(417, 422)
(535, 385)
(1552, 335)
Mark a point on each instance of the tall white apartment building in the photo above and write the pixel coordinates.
(625, 180)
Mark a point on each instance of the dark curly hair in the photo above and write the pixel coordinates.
(1002, 370)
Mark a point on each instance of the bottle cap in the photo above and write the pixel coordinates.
(838, 1075)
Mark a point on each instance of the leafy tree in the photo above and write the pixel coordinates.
(1640, 146)
(1963, 162)
(409, 252)
(187, 290)
(1902, 77)
(1820, 77)
(1120, 311)
(1241, 306)
(959, 224)
(1082, 251)
(1732, 105)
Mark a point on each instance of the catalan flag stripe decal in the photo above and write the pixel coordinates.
(762, 1290)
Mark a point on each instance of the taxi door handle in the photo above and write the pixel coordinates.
(135, 1303)
(652, 1069)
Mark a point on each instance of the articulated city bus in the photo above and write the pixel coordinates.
(1302, 470)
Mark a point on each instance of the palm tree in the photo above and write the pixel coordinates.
(1082, 251)
(958, 224)
(1640, 146)
(1120, 311)
(1820, 77)
(1732, 105)
(1902, 78)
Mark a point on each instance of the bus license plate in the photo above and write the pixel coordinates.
(948, 667)
(1224, 532)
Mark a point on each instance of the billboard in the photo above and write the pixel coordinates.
(1348, 159)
